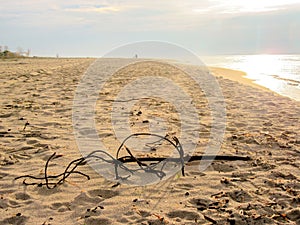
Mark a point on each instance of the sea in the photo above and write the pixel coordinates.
(279, 73)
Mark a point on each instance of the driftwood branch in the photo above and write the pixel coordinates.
(119, 162)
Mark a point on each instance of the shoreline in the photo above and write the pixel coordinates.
(241, 77)
(236, 75)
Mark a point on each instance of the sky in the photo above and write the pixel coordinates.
(206, 27)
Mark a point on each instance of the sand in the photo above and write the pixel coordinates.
(235, 75)
(36, 121)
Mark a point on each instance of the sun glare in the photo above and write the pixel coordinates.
(272, 71)
(256, 5)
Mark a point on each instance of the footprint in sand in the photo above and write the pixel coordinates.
(184, 214)
(22, 196)
(19, 199)
(103, 193)
(87, 206)
(240, 196)
(200, 203)
(18, 219)
(97, 221)
(223, 167)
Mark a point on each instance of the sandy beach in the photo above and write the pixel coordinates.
(36, 121)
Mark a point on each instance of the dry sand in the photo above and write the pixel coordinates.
(260, 124)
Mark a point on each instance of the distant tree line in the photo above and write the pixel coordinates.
(5, 53)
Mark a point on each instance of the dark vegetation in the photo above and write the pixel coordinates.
(5, 53)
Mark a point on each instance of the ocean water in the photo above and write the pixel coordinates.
(279, 73)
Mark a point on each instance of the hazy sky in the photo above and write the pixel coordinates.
(92, 28)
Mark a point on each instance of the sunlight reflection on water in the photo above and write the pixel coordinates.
(279, 73)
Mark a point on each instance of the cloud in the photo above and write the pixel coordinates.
(213, 24)
(132, 15)
(91, 8)
(254, 6)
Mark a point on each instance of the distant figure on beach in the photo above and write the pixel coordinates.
(136, 56)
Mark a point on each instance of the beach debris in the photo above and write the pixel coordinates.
(116, 185)
(160, 218)
(210, 219)
(225, 181)
(52, 181)
(138, 200)
(219, 195)
(26, 124)
(47, 222)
